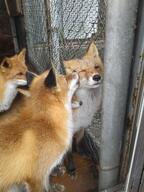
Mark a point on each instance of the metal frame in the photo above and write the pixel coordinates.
(137, 160)
(135, 87)
(135, 180)
(120, 26)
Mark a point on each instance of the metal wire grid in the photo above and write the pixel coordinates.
(81, 25)
(36, 33)
(62, 29)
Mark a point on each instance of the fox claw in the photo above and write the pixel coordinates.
(57, 188)
(59, 171)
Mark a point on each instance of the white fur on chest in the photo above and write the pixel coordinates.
(69, 128)
(70, 124)
(10, 93)
(8, 96)
(91, 99)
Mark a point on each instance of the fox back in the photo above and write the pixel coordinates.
(32, 144)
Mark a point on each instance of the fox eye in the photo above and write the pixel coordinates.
(74, 71)
(96, 67)
(6, 64)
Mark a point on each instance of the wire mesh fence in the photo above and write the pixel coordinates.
(58, 30)
(62, 29)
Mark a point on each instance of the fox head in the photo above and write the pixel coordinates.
(13, 69)
(12, 74)
(51, 89)
(89, 68)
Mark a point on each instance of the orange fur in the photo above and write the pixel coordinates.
(16, 69)
(12, 73)
(90, 70)
(32, 143)
(88, 65)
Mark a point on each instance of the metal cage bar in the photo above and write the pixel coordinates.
(120, 26)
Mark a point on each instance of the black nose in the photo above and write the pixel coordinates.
(96, 77)
(80, 103)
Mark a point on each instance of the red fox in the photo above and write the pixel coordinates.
(12, 75)
(34, 142)
(90, 70)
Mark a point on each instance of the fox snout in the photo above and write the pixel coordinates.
(96, 78)
(21, 75)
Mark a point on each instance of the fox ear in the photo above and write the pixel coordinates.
(22, 54)
(30, 76)
(92, 51)
(50, 80)
(5, 65)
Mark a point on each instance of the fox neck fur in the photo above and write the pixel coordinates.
(7, 95)
(91, 104)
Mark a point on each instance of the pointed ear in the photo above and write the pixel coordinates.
(30, 76)
(22, 54)
(50, 80)
(92, 51)
(5, 65)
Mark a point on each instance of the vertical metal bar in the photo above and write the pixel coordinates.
(35, 19)
(134, 175)
(134, 92)
(48, 27)
(136, 165)
(120, 25)
(14, 35)
(56, 14)
(55, 25)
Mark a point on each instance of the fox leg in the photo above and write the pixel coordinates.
(69, 161)
(88, 147)
(77, 138)
(59, 170)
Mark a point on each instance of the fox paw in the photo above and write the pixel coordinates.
(73, 175)
(58, 171)
(71, 171)
(76, 104)
(57, 188)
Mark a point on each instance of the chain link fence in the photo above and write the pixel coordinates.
(58, 30)
(62, 29)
